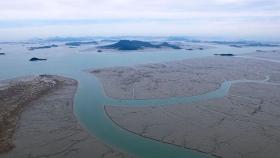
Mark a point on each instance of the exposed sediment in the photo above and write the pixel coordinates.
(13, 98)
(181, 78)
(42, 124)
(243, 124)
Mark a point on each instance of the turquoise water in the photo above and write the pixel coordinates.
(90, 98)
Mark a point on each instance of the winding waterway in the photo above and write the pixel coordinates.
(90, 98)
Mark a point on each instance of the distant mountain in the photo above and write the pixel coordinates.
(137, 45)
(109, 40)
(80, 43)
(43, 47)
(68, 39)
(245, 43)
(262, 45)
(165, 44)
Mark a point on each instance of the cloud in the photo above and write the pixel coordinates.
(137, 16)
(89, 9)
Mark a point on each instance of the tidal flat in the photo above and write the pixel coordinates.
(243, 123)
(59, 129)
(180, 78)
(37, 120)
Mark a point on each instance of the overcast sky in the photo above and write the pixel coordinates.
(244, 19)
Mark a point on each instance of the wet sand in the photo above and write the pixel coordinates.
(43, 125)
(243, 124)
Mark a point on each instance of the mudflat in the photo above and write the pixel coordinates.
(181, 78)
(37, 120)
(243, 124)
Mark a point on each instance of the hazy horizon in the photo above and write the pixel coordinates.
(230, 19)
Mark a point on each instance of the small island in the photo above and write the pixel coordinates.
(80, 43)
(236, 46)
(259, 50)
(37, 59)
(2, 53)
(194, 48)
(228, 54)
(137, 45)
(42, 47)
